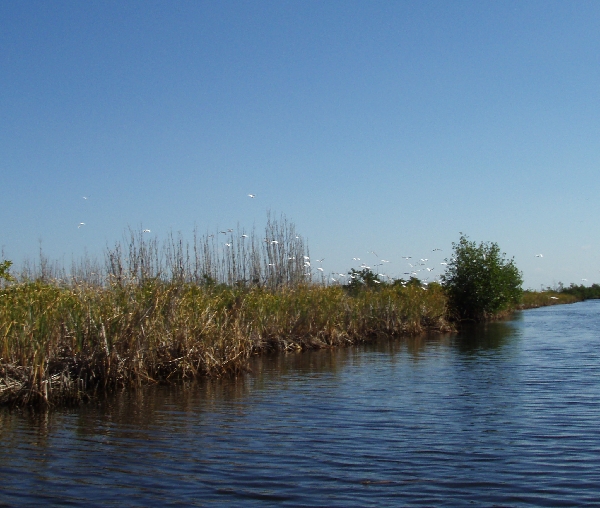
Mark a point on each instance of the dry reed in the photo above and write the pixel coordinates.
(155, 313)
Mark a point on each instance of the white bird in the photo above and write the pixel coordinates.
(146, 231)
(320, 269)
(81, 224)
(275, 242)
(356, 259)
(84, 197)
(228, 244)
(251, 195)
(377, 282)
(244, 236)
(307, 263)
(435, 250)
(539, 255)
(553, 298)
(306, 257)
(444, 264)
(384, 261)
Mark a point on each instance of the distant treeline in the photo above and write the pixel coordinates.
(581, 292)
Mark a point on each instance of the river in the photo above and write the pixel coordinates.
(503, 414)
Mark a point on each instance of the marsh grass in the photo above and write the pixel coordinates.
(62, 345)
(156, 313)
(533, 299)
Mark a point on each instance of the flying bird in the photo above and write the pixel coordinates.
(81, 224)
(252, 195)
(539, 255)
(146, 231)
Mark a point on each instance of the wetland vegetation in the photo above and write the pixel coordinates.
(155, 313)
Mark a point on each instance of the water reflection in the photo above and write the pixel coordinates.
(450, 419)
(474, 338)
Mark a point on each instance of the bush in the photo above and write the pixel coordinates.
(4, 271)
(480, 282)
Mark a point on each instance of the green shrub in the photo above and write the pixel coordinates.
(4, 268)
(480, 282)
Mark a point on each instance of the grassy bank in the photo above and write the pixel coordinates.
(534, 299)
(154, 313)
(62, 344)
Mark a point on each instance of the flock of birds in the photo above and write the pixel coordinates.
(414, 268)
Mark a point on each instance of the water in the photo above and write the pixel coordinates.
(502, 415)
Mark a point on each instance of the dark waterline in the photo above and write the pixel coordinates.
(506, 414)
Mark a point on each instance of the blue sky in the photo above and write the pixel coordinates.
(385, 126)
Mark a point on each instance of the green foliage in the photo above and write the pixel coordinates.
(4, 271)
(582, 292)
(362, 279)
(480, 281)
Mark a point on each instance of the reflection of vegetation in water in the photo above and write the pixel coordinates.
(495, 335)
(62, 343)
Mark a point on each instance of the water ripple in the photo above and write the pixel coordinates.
(501, 415)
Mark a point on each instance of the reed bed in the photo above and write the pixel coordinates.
(154, 313)
(534, 299)
(62, 345)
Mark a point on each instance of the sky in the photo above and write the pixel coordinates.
(372, 126)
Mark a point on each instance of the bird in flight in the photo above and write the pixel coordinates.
(539, 255)
(81, 224)
(251, 195)
(146, 231)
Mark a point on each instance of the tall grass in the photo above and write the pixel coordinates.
(155, 312)
(533, 299)
(62, 344)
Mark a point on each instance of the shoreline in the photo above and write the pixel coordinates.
(65, 345)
